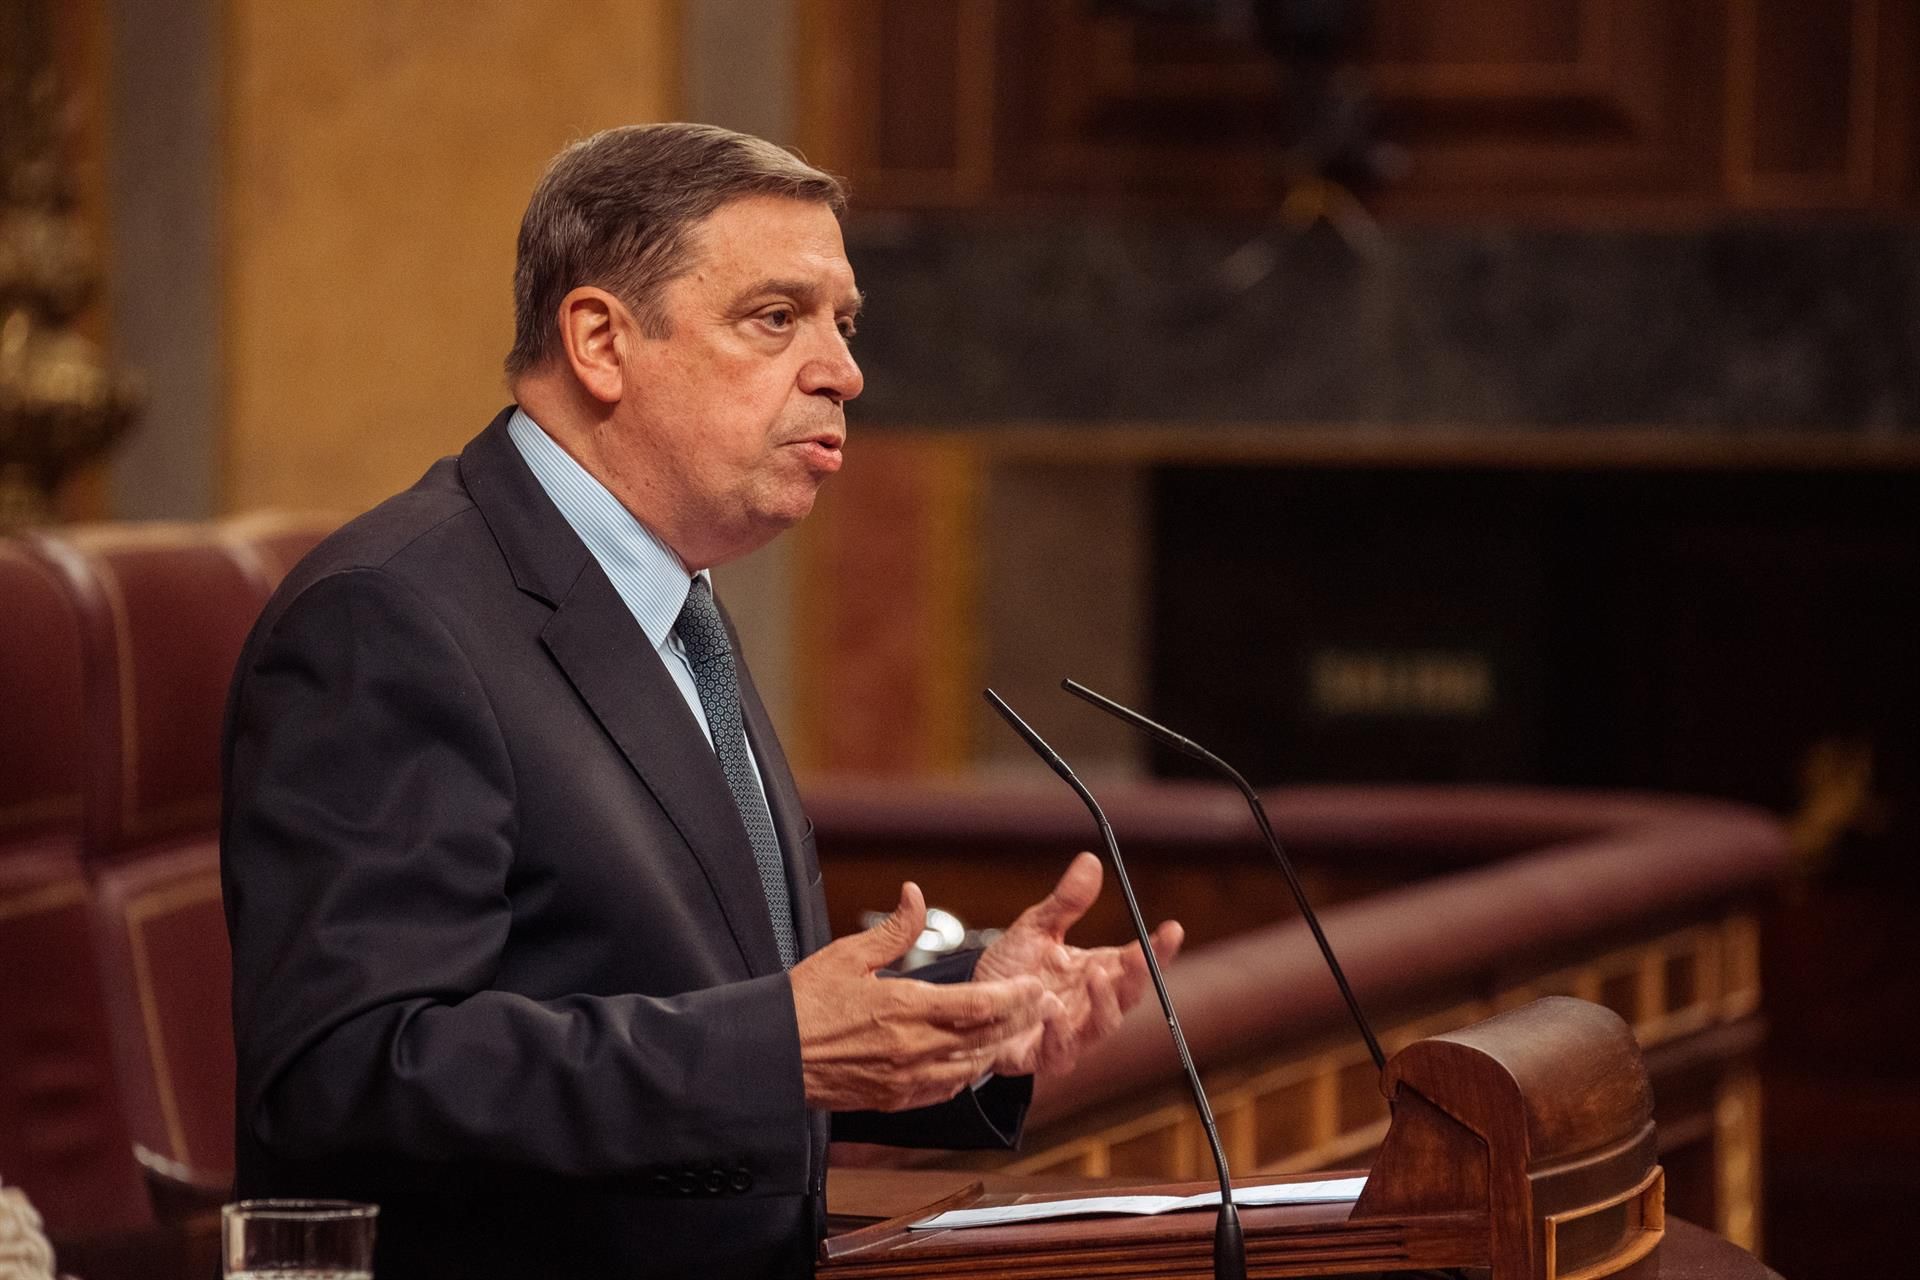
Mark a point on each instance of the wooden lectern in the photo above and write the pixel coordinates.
(1523, 1144)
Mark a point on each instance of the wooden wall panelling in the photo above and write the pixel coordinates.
(1803, 102)
(376, 160)
(1523, 102)
(1106, 104)
(900, 97)
(1563, 107)
(885, 595)
(1898, 135)
(829, 88)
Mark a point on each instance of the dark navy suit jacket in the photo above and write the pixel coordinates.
(502, 963)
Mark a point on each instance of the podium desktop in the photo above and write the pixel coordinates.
(1522, 1145)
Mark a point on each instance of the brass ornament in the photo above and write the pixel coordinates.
(60, 405)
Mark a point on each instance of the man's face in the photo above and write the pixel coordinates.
(727, 427)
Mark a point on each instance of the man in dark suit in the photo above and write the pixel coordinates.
(529, 945)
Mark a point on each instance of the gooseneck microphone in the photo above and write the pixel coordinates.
(1188, 747)
(1229, 1244)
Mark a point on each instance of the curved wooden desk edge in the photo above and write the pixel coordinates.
(859, 1198)
(1636, 862)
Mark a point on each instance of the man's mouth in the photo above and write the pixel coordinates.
(822, 449)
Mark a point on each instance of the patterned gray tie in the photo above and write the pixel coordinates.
(711, 657)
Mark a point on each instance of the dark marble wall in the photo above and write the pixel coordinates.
(1743, 327)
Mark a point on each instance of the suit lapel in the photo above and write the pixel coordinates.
(609, 661)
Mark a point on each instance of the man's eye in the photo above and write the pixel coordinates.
(778, 318)
(847, 330)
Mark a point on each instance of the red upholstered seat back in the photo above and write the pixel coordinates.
(63, 1135)
(40, 729)
(163, 950)
(163, 611)
(117, 643)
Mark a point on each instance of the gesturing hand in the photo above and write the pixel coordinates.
(1095, 987)
(897, 1043)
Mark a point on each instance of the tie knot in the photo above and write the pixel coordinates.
(699, 626)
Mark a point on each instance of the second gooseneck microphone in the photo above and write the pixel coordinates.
(1229, 1244)
(1188, 747)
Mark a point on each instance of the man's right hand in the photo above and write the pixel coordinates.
(889, 1045)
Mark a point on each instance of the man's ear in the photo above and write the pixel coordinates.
(595, 330)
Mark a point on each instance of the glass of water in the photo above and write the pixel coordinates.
(297, 1240)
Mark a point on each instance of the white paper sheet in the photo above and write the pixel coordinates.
(1329, 1191)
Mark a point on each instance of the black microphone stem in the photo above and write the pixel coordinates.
(1229, 1245)
(1187, 746)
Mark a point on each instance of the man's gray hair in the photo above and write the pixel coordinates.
(615, 211)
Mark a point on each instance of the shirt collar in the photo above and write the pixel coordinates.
(644, 570)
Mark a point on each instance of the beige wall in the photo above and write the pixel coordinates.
(378, 154)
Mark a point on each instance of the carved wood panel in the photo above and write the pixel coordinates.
(1585, 107)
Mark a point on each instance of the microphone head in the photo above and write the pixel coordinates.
(1026, 731)
(1152, 728)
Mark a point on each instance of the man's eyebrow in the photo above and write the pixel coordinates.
(802, 291)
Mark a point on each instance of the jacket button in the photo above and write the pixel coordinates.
(742, 1179)
(662, 1183)
(716, 1181)
(689, 1182)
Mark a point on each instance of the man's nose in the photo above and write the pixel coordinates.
(833, 373)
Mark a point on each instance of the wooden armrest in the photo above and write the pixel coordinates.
(180, 1192)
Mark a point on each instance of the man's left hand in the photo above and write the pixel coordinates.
(1096, 987)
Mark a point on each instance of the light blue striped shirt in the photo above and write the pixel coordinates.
(644, 570)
